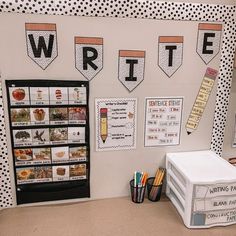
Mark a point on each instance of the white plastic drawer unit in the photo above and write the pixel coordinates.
(202, 187)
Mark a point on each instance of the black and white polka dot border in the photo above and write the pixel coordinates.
(139, 9)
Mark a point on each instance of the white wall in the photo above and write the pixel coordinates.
(111, 171)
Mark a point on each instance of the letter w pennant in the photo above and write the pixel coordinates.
(41, 40)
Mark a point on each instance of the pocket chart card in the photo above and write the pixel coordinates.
(116, 121)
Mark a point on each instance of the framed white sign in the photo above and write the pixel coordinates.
(116, 122)
(163, 121)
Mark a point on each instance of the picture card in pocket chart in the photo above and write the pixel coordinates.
(28, 175)
(22, 137)
(39, 95)
(60, 154)
(116, 121)
(131, 68)
(19, 96)
(40, 136)
(58, 95)
(39, 116)
(163, 121)
(41, 40)
(20, 116)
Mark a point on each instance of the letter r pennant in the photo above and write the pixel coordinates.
(41, 40)
(88, 56)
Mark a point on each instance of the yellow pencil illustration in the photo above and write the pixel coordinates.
(103, 124)
(201, 100)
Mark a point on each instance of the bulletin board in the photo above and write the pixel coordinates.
(156, 83)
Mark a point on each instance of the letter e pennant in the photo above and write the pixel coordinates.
(131, 68)
(170, 56)
(41, 40)
(208, 43)
(88, 56)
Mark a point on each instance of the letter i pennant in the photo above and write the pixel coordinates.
(131, 68)
(88, 56)
(170, 56)
(41, 40)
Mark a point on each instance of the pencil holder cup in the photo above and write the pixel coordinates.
(154, 191)
(137, 193)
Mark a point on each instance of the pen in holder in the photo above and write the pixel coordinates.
(137, 192)
(138, 186)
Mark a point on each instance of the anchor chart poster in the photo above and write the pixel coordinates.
(163, 121)
(116, 122)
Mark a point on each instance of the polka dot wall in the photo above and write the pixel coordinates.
(5, 185)
(142, 9)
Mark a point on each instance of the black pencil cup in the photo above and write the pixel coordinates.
(154, 191)
(137, 193)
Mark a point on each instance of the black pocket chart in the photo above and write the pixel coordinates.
(49, 126)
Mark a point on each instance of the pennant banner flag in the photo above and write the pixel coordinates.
(170, 56)
(41, 40)
(201, 100)
(208, 44)
(89, 56)
(131, 68)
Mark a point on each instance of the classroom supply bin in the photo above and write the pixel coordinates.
(202, 187)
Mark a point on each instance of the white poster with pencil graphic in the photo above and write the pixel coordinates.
(201, 100)
(116, 122)
(163, 121)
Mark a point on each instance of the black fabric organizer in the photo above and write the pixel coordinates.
(52, 178)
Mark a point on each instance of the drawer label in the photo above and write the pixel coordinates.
(214, 217)
(215, 190)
